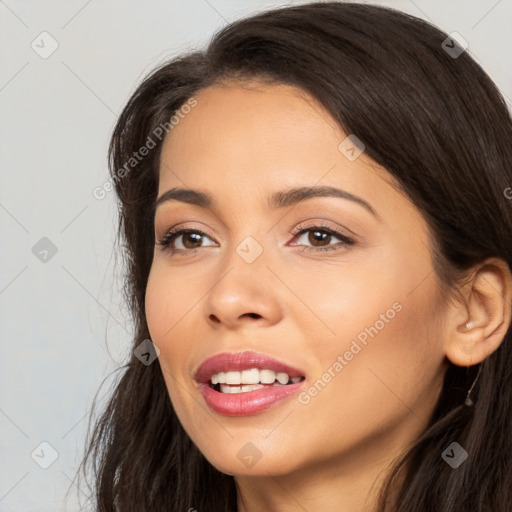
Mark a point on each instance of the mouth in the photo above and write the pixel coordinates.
(244, 383)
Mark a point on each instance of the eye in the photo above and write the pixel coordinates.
(190, 240)
(319, 237)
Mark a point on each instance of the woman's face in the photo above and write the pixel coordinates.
(339, 289)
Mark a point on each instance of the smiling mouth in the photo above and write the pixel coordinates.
(249, 380)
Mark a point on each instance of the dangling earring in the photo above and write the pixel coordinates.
(468, 400)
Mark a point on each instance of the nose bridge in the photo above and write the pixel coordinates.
(250, 249)
(244, 267)
(249, 237)
(241, 290)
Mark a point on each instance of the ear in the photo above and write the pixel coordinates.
(487, 306)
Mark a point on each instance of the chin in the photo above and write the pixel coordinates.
(249, 461)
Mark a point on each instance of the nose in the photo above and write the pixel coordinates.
(243, 296)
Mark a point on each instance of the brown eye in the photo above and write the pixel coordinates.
(191, 240)
(183, 240)
(317, 238)
(320, 238)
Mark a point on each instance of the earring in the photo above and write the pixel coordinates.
(468, 400)
(469, 325)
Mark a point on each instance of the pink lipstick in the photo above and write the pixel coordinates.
(246, 383)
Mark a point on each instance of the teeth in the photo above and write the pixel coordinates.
(219, 378)
(267, 376)
(239, 389)
(252, 376)
(233, 378)
(282, 378)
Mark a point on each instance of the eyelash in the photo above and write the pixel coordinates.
(169, 237)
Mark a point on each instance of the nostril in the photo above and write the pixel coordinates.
(215, 319)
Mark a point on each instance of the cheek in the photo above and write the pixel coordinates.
(163, 312)
(167, 300)
(385, 327)
(169, 306)
(389, 370)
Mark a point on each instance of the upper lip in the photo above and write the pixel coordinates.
(231, 361)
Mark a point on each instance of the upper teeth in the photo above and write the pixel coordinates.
(252, 376)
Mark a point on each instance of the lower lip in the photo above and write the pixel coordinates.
(250, 402)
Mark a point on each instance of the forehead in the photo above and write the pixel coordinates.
(243, 141)
(262, 117)
(253, 130)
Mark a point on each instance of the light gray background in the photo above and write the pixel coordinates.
(63, 324)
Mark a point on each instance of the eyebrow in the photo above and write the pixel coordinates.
(281, 199)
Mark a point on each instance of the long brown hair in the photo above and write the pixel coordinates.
(439, 125)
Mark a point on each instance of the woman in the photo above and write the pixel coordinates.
(317, 237)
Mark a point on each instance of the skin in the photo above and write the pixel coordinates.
(241, 143)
